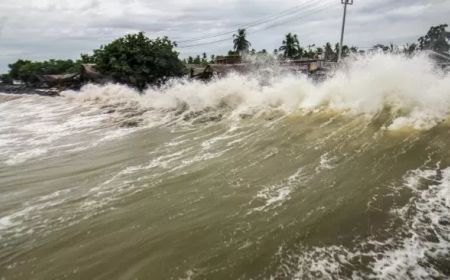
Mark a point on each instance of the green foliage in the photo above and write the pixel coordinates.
(6, 79)
(329, 53)
(197, 60)
(204, 59)
(137, 60)
(29, 71)
(410, 49)
(241, 45)
(435, 39)
(85, 58)
(383, 48)
(291, 47)
(345, 50)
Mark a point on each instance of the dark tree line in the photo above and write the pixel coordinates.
(29, 71)
(133, 59)
(289, 49)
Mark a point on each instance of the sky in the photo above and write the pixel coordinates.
(43, 29)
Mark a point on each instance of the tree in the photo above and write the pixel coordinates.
(319, 51)
(309, 52)
(345, 50)
(137, 60)
(204, 58)
(6, 79)
(291, 46)
(241, 44)
(330, 55)
(197, 60)
(382, 48)
(410, 49)
(15, 68)
(435, 39)
(85, 58)
(190, 60)
(30, 71)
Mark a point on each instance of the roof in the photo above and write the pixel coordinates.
(88, 71)
(58, 78)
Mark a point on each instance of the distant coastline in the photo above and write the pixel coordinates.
(23, 89)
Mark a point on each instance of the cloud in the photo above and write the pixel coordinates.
(40, 29)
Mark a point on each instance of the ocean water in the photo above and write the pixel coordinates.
(261, 176)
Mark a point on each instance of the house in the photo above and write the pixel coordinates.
(60, 81)
(88, 74)
(229, 59)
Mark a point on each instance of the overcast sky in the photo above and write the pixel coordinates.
(42, 29)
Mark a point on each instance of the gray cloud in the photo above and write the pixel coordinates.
(40, 29)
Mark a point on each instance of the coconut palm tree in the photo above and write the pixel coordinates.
(241, 44)
(291, 46)
(329, 53)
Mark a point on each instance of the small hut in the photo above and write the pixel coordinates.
(60, 81)
(229, 59)
(88, 74)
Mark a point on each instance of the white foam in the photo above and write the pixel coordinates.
(35, 126)
(423, 240)
(325, 162)
(24, 156)
(416, 92)
(431, 206)
(274, 196)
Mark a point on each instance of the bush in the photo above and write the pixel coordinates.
(29, 71)
(136, 60)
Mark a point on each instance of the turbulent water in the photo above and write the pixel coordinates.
(246, 177)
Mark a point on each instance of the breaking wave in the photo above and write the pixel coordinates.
(259, 176)
(413, 90)
(423, 239)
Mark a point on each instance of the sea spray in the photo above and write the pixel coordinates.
(415, 91)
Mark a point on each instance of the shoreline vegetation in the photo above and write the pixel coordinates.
(139, 62)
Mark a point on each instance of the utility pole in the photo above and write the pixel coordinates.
(345, 2)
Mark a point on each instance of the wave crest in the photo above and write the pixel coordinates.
(417, 93)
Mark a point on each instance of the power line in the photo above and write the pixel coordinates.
(295, 18)
(203, 44)
(288, 12)
(288, 20)
(250, 24)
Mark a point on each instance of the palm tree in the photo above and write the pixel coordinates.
(241, 45)
(291, 46)
(329, 53)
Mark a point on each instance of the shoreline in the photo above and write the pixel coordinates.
(22, 89)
